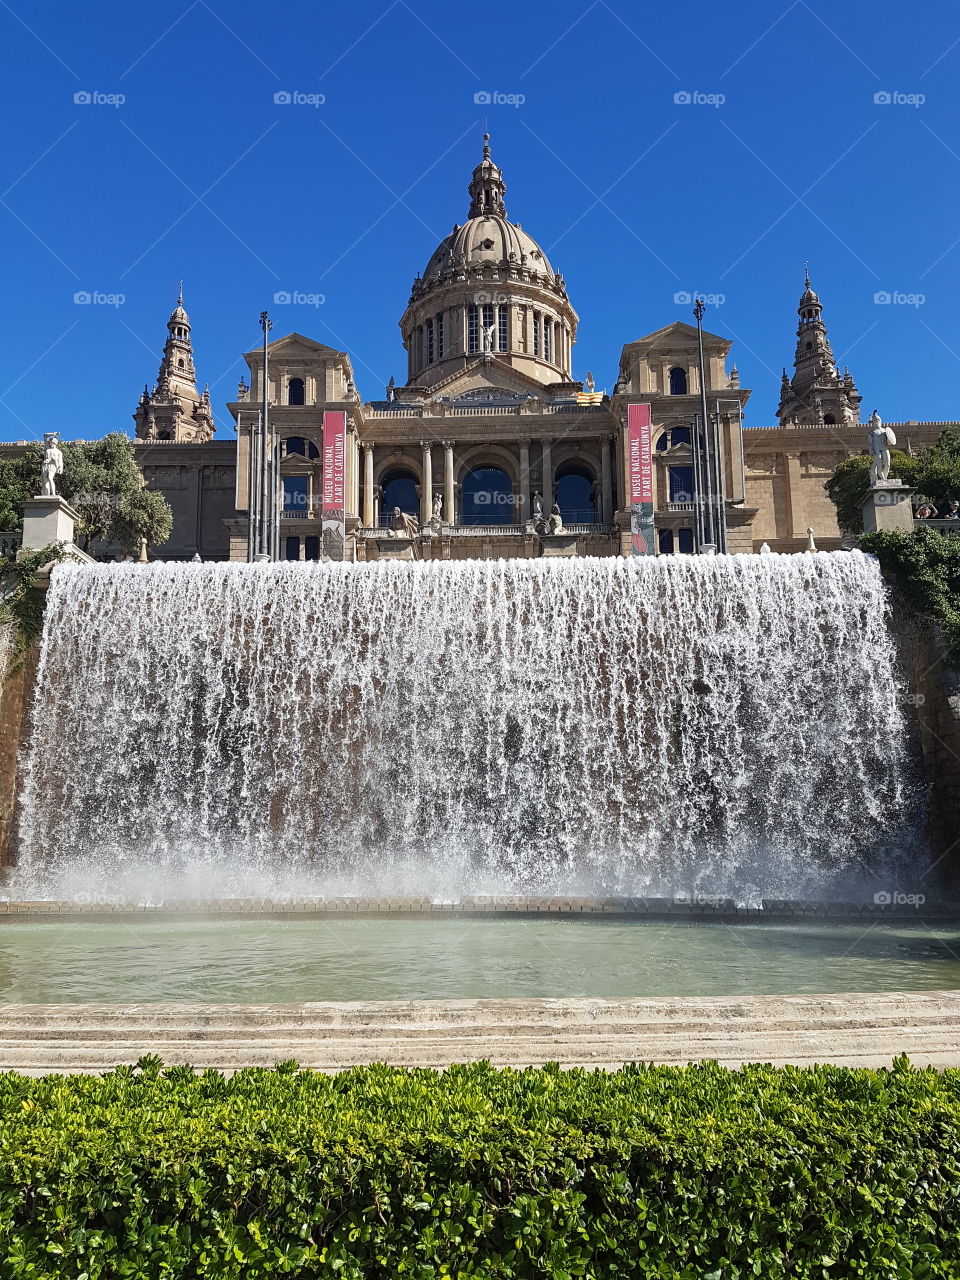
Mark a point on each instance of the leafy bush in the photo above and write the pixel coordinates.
(849, 485)
(678, 1173)
(924, 568)
(21, 603)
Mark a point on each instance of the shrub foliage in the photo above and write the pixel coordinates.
(924, 568)
(678, 1173)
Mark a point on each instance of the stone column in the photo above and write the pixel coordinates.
(526, 512)
(606, 488)
(367, 484)
(449, 492)
(546, 448)
(426, 485)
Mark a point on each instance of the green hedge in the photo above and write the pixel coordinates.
(386, 1173)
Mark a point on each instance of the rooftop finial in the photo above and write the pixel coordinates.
(486, 146)
(180, 295)
(806, 273)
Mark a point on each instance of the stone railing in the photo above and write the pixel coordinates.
(680, 506)
(442, 410)
(945, 526)
(497, 530)
(9, 545)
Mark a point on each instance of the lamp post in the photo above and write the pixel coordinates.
(715, 532)
(266, 520)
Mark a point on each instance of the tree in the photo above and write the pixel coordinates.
(142, 516)
(847, 488)
(19, 480)
(104, 485)
(936, 472)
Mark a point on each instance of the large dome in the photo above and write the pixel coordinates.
(489, 238)
(488, 290)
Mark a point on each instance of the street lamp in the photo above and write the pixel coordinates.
(711, 497)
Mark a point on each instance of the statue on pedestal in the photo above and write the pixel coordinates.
(52, 464)
(555, 523)
(880, 439)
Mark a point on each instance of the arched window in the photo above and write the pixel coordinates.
(438, 328)
(574, 494)
(487, 497)
(473, 329)
(430, 348)
(295, 391)
(678, 382)
(665, 542)
(681, 484)
(180, 364)
(295, 444)
(685, 542)
(398, 489)
(829, 420)
(663, 442)
(679, 435)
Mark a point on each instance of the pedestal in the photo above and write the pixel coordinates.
(46, 521)
(887, 507)
(395, 548)
(558, 544)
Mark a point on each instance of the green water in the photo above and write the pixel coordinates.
(273, 960)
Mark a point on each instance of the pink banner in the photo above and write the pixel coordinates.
(640, 479)
(333, 515)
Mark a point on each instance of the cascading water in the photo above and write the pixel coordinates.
(607, 725)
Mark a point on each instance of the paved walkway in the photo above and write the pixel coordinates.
(849, 1029)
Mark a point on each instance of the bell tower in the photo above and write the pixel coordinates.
(817, 394)
(175, 410)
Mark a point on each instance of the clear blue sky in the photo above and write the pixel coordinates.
(636, 197)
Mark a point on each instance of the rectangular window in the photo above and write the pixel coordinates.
(536, 333)
(295, 495)
(439, 330)
(502, 315)
(548, 340)
(429, 342)
(473, 329)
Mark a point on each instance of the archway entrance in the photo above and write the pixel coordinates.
(574, 494)
(399, 489)
(487, 497)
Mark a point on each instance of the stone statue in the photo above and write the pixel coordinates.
(438, 506)
(880, 439)
(403, 525)
(537, 505)
(242, 390)
(52, 464)
(391, 391)
(488, 335)
(555, 523)
(589, 382)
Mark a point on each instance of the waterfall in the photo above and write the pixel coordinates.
(602, 725)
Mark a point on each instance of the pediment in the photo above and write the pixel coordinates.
(483, 375)
(678, 336)
(297, 346)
